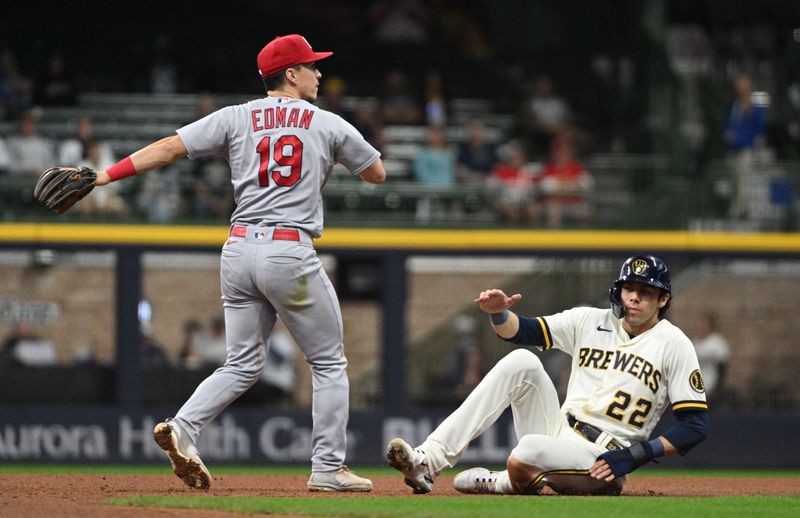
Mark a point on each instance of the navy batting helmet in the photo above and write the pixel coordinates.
(640, 268)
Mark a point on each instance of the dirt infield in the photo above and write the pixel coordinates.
(84, 495)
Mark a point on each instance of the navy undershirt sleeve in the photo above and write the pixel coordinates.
(689, 431)
(530, 333)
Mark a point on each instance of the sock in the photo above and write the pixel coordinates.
(419, 456)
(434, 457)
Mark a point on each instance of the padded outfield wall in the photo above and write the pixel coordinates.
(407, 310)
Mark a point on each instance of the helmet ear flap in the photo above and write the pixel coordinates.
(616, 301)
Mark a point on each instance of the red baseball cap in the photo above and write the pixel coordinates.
(286, 51)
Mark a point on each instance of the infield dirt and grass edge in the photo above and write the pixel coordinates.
(153, 490)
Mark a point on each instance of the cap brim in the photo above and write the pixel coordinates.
(322, 55)
(315, 56)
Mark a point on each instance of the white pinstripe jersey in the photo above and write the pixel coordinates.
(619, 384)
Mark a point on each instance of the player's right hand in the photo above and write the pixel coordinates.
(495, 301)
(102, 178)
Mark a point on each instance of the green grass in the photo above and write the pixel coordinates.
(483, 506)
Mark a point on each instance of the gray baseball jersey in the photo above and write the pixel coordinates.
(281, 152)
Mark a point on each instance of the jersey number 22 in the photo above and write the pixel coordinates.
(622, 401)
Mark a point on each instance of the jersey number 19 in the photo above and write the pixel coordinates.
(293, 160)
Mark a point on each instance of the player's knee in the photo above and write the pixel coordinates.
(530, 448)
(248, 371)
(519, 360)
(328, 365)
(250, 374)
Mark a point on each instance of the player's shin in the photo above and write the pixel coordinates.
(523, 479)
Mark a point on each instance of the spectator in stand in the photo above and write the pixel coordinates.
(435, 163)
(151, 352)
(204, 106)
(163, 68)
(513, 179)
(160, 196)
(465, 369)
(476, 156)
(74, 151)
(435, 104)
(211, 195)
(24, 347)
(367, 120)
(5, 160)
(84, 149)
(106, 202)
(29, 153)
(791, 127)
(332, 99)
(279, 369)
(187, 356)
(544, 114)
(400, 21)
(463, 27)
(56, 88)
(97, 156)
(744, 126)
(565, 184)
(713, 353)
(210, 346)
(15, 89)
(399, 106)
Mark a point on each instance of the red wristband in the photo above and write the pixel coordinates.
(121, 169)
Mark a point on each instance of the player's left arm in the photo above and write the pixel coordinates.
(158, 154)
(688, 432)
(352, 150)
(686, 391)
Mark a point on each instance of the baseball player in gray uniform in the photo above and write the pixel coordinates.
(281, 150)
(628, 363)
